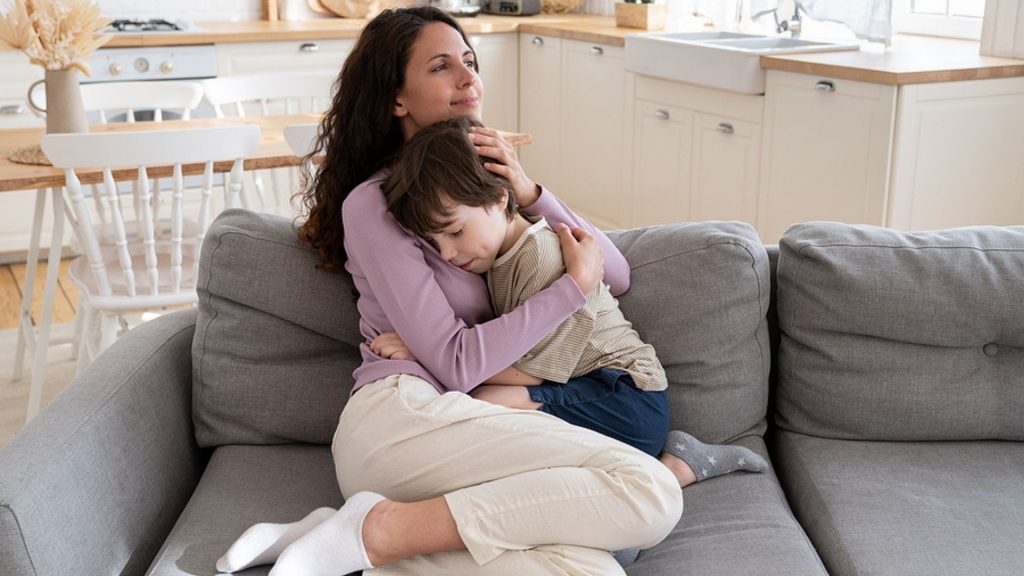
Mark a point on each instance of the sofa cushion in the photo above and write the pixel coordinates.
(908, 508)
(275, 347)
(734, 524)
(243, 485)
(890, 335)
(699, 294)
(276, 339)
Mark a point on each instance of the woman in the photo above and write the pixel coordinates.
(437, 482)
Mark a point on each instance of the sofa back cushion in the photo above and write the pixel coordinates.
(890, 335)
(277, 340)
(699, 294)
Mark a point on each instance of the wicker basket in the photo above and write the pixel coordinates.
(362, 8)
(559, 6)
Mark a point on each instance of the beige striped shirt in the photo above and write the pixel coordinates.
(596, 336)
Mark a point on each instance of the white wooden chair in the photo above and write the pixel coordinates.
(104, 102)
(140, 271)
(264, 95)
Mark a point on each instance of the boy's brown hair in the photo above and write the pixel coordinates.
(439, 167)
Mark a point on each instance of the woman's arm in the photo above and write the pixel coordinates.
(404, 286)
(537, 200)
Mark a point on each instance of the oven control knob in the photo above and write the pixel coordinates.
(141, 65)
(116, 69)
(167, 66)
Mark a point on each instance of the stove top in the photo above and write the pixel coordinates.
(150, 25)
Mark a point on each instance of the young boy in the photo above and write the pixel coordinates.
(593, 370)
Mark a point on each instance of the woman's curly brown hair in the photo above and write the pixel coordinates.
(359, 134)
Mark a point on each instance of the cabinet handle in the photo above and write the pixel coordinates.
(12, 110)
(662, 113)
(725, 128)
(596, 50)
(537, 41)
(825, 86)
(309, 47)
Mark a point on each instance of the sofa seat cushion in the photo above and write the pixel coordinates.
(908, 508)
(890, 335)
(734, 524)
(243, 485)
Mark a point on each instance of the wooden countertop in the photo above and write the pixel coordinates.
(910, 60)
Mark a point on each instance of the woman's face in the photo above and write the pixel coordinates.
(440, 82)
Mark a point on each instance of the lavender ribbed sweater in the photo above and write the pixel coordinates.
(442, 312)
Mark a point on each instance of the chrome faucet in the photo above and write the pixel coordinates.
(794, 24)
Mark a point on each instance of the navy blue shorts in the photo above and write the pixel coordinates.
(607, 401)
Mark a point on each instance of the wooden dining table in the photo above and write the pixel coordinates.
(272, 151)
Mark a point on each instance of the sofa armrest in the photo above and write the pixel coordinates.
(94, 483)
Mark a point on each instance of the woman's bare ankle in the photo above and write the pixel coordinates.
(376, 536)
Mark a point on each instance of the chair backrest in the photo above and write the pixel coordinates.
(151, 154)
(300, 138)
(271, 94)
(103, 98)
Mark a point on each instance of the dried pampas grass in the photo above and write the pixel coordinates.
(55, 34)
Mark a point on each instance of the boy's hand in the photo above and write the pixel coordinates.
(490, 144)
(390, 345)
(584, 260)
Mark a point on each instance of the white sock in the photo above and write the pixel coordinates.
(333, 548)
(262, 543)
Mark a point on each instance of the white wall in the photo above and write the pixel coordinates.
(192, 10)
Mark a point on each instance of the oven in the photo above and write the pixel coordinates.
(153, 63)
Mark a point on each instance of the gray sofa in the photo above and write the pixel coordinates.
(899, 406)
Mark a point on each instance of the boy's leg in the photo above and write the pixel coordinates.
(507, 396)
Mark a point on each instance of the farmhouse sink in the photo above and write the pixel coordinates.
(726, 60)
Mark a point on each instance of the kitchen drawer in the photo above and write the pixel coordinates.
(287, 56)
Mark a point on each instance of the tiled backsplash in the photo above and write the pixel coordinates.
(191, 10)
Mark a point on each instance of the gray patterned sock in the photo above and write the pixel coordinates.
(710, 460)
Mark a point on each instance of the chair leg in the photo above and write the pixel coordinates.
(87, 337)
(109, 325)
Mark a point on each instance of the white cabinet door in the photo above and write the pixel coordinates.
(498, 57)
(17, 76)
(282, 56)
(696, 153)
(726, 160)
(540, 111)
(959, 157)
(826, 152)
(593, 132)
(662, 144)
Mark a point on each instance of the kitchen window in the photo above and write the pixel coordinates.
(952, 18)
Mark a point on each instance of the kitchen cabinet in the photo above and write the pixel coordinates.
(695, 153)
(827, 149)
(325, 56)
(14, 82)
(912, 157)
(957, 158)
(593, 133)
(498, 57)
(573, 99)
(540, 107)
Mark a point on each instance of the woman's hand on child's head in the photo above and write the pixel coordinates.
(490, 144)
(390, 345)
(584, 260)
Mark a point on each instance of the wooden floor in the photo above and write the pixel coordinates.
(12, 281)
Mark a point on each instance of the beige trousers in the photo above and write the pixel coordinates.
(530, 494)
